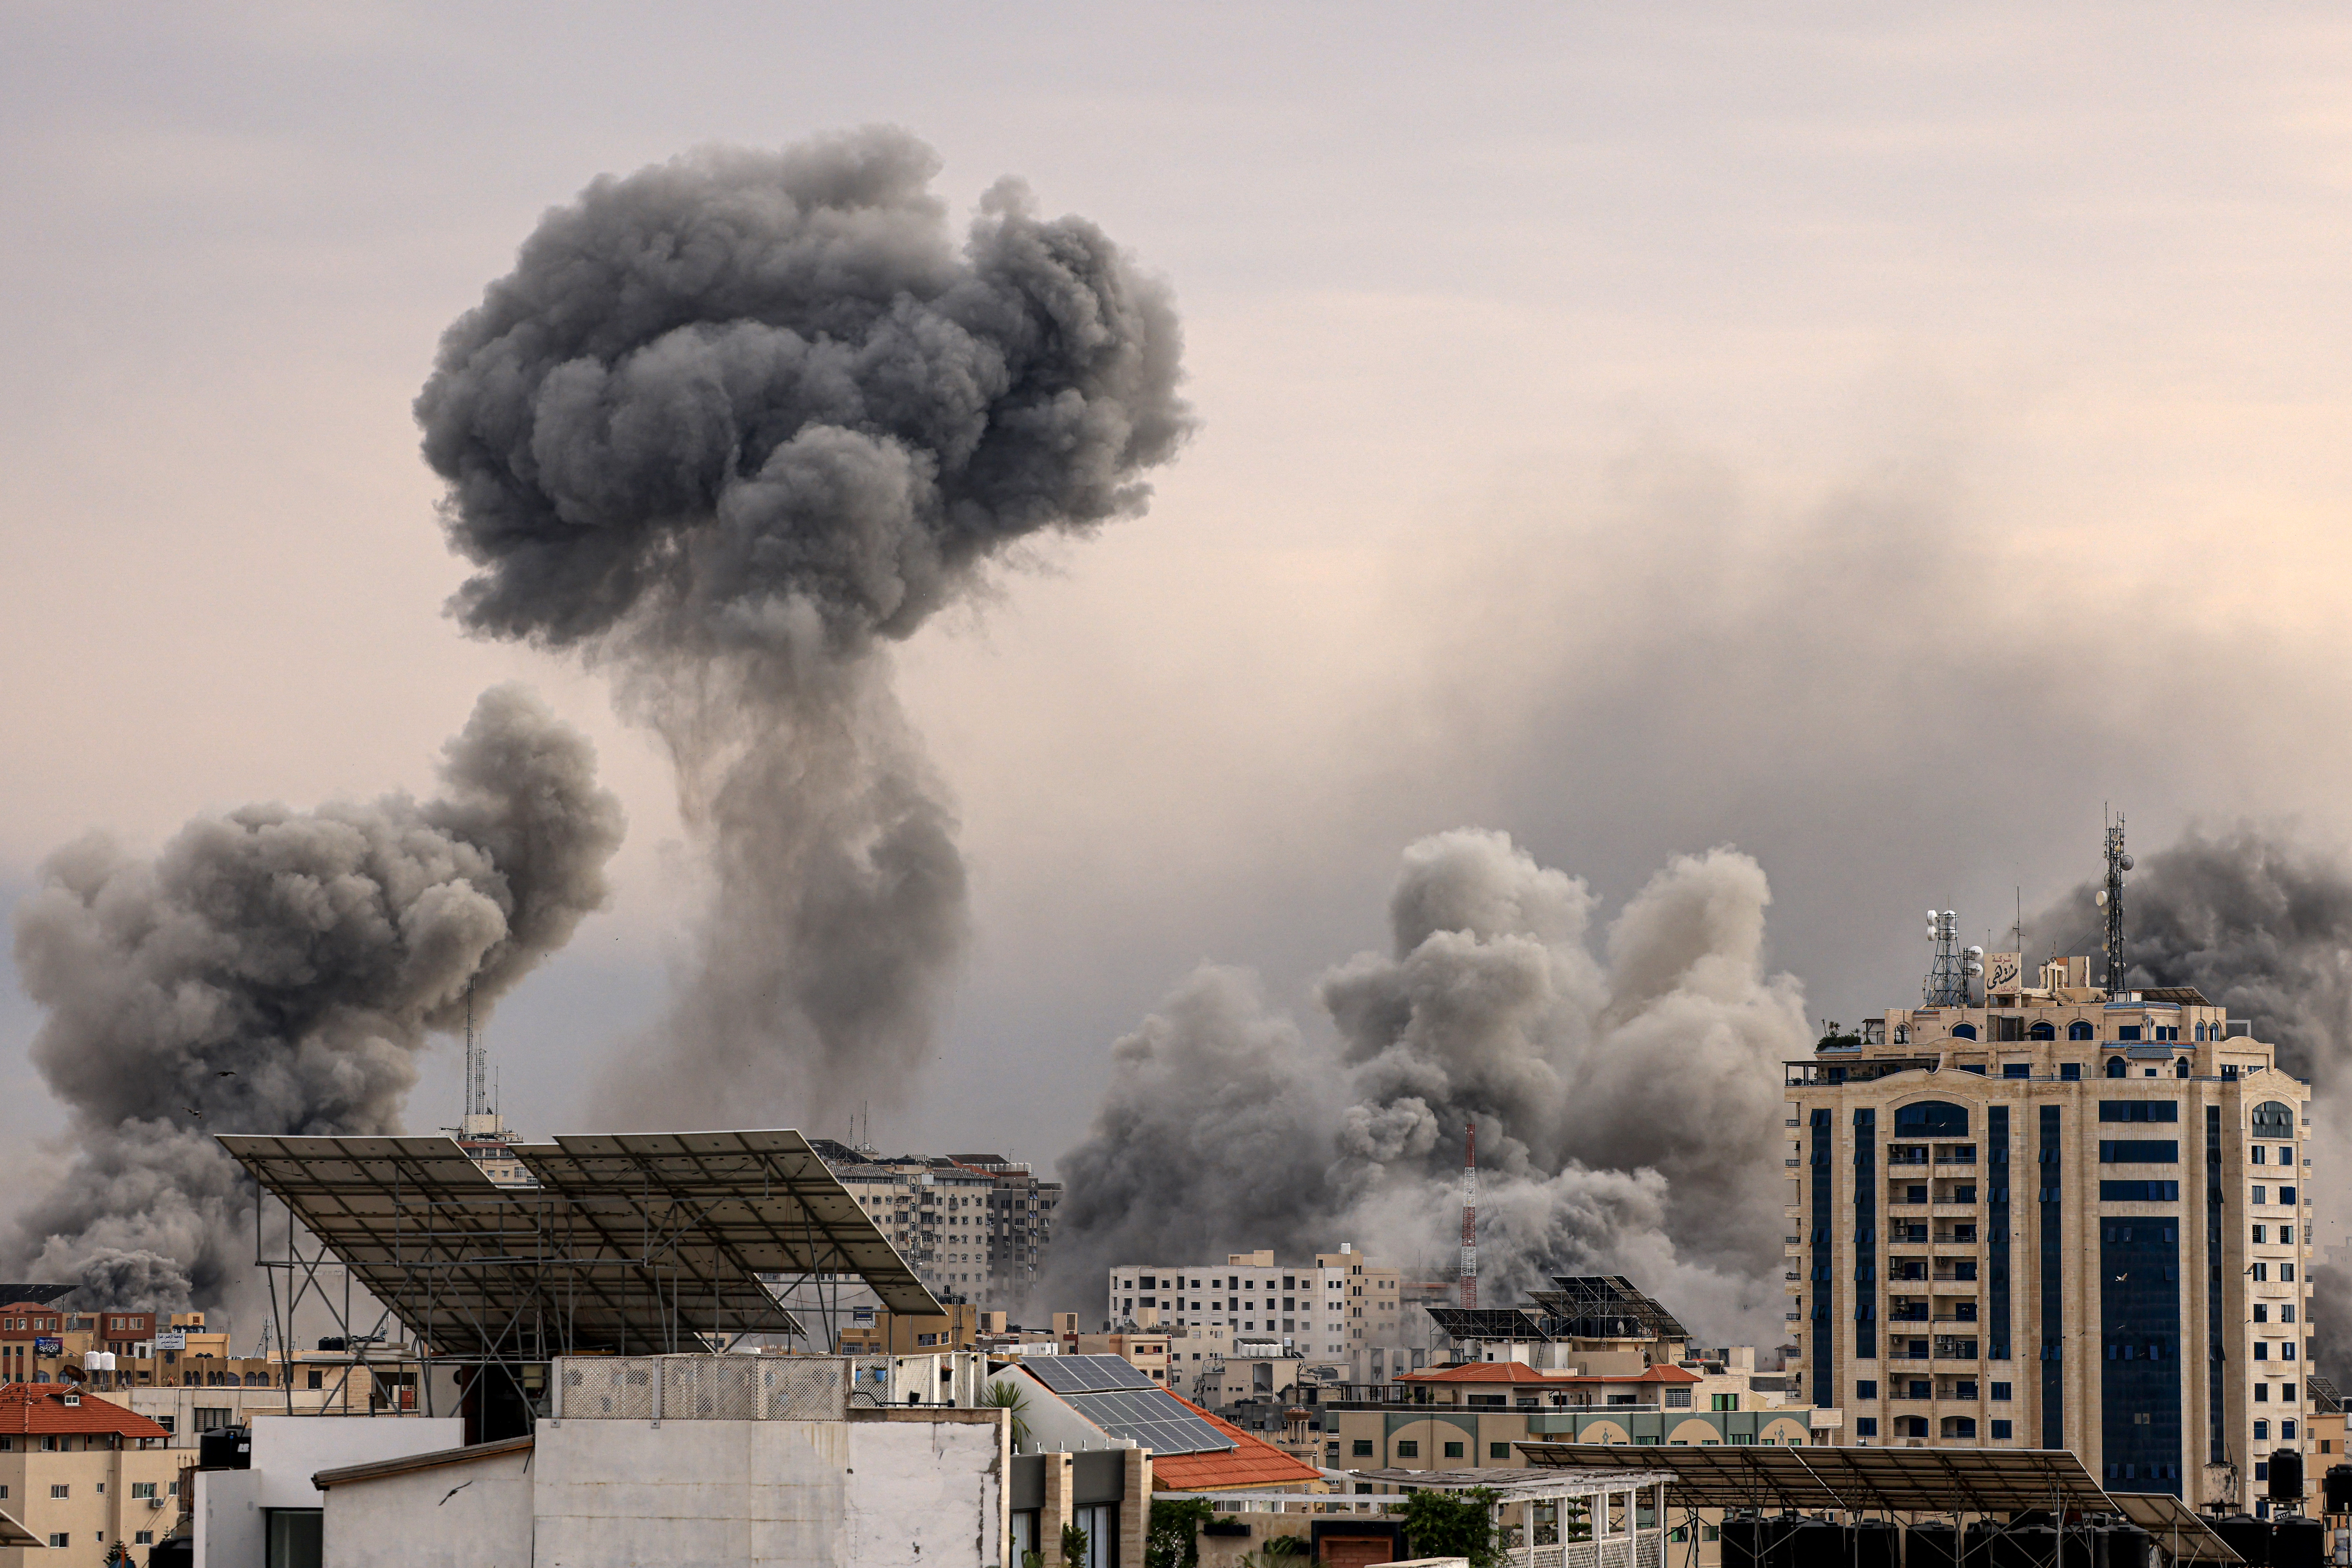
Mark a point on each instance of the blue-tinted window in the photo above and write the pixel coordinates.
(2000, 1391)
(2045, 1030)
(2127, 1032)
(2001, 1429)
(1866, 1389)
(2140, 1151)
(1931, 1119)
(2078, 1030)
(2139, 1312)
(1866, 1426)
(2116, 1067)
(2140, 1110)
(2139, 1192)
(1964, 1031)
(2017, 1069)
(2070, 1072)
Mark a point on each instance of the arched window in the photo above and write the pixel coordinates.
(2045, 1030)
(1964, 1031)
(2201, 1031)
(1931, 1119)
(2180, 1067)
(2080, 1030)
(2273, 1120)
(2115, 1067)
(1901, 1034)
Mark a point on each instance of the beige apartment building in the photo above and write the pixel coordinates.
(83, 1475)
(1334, 1313)
(2055, 1218)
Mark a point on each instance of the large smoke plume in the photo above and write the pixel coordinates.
(1628, 1100)
(731, 425)
(276, 971)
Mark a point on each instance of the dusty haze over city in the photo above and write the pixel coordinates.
(1876, 440)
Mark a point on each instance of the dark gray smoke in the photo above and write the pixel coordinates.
(1627, 1102)
(732, 424)
(2258, 924)
(275, 971)
(2262, 926)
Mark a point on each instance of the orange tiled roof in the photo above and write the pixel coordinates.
(1519, 1372)
(40, 1408)
(1250, 1462)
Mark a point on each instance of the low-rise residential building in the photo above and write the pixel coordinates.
(1474, 1415)
(1341, 1308)
(83, 1474)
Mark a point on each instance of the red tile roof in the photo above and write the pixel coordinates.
(40, 1408)
(1250, 1462)
(1519, 1372)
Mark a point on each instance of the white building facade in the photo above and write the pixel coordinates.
(1338, 1309)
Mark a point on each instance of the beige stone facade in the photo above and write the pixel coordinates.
(1333, 1313)
(2057, 1220)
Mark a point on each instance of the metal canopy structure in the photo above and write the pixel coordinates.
(1604, 1307)
(1895, 1480)
(2179, 1530)
(646, 1243)
(764, 1200)
(1487, 1323)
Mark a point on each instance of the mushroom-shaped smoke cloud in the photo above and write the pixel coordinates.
(274, 970)
(731, 424)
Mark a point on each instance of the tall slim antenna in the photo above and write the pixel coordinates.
(1470, 1220)
(477, 1063)
(2112, 896)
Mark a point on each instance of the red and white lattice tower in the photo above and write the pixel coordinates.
(1470, 1221)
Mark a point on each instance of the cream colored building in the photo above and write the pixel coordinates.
(2057, 1219)
(1334, 1312)
(84, 1475)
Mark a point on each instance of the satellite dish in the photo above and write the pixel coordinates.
(1931, 916)
(2126, 862)
(1975, 952)
(1973, 967)
(2101, 898)
(1948, 915)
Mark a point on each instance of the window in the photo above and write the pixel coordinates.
(2262, 1194)
(2262, 1394)
(2070, 1072)
(2000, 1392)
(1363, 1448)
(2287, 1430)
(2043, 1030)
(1453, 1451)
(142, 1489)
(2002, 1429)
(2078, 1030)
(2017, 1069)
(1675, 1399)
(2261, 1312)
(2116, 1067)
(2139, 1192)
(1965, 1032)
(2261, 1431)
(60, 1538)
(1498, 1450)
(2127, 1032)
(2260, 1234)
(2140, 1151)
(1867, 1388)
(60, 1491)
(1408, 1449)
(1723, 1402)
(2260, 1272)
(2140, 1110)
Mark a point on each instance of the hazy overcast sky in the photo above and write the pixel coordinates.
(1873, 436)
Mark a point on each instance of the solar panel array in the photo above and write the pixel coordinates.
(1087, 1373)
(1152, 1417)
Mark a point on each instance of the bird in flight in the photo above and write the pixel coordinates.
(226, 1073)
(194, 1111)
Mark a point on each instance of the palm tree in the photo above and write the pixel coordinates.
(1005, 1394)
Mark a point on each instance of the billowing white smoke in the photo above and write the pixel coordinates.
(1627, 1100)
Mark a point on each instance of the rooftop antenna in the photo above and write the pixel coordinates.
(478, 1062)
(2111, 899)
(1470, 1220)
(1952, 967)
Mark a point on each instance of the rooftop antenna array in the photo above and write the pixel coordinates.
(2111, 899)
(1954, 971)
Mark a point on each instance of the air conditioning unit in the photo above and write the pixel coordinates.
(154, 1502)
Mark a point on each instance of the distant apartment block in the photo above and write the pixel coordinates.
(1342, 1309)
(975, 1226)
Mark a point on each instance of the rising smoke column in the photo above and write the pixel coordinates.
(1627, 1104)
(274, 970)
(731, 425)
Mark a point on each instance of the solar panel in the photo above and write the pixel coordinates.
(1486, 1324)
(1907, 1481)
(1150, 1417)
(1087, 1373)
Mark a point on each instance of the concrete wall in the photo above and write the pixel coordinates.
(929, 1491)
(288, 1450)
(472, 1515)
